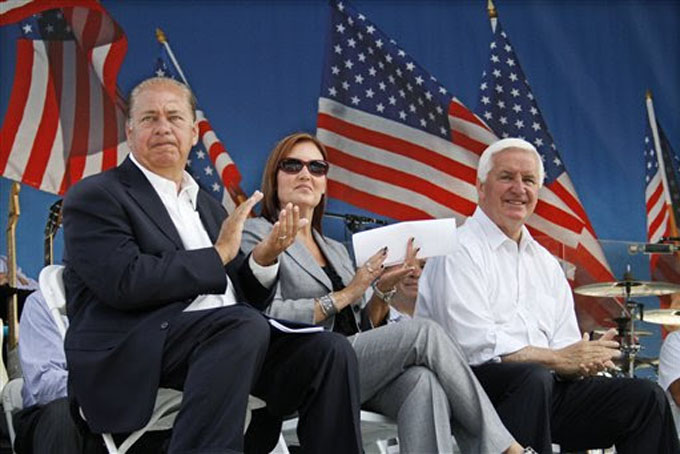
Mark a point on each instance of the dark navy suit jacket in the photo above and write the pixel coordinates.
(127, 276)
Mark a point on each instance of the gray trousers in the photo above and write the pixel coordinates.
(413, 372)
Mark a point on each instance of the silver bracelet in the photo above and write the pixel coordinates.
(385, 296)
(327, 305)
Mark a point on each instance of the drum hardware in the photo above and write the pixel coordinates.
(669, 317)
(627, 288)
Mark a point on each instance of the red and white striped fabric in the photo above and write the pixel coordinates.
(65, 119)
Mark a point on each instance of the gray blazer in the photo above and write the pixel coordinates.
(301, 279)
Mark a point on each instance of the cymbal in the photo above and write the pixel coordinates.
(619, 288)
(662, 316)
(638, 332)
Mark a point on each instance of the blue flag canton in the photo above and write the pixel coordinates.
(651, 163)
(199, 164)
(671, 161)
(508, 106)
(47, 25)
(368, 71)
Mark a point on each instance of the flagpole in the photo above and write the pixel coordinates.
(493, 14)
(160, 36)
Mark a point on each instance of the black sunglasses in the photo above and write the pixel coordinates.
(317, 167)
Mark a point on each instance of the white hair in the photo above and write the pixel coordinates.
(486, 160)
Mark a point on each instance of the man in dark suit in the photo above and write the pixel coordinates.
(155, 283)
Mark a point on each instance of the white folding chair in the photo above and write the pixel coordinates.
(376, 430)
(11, 403)
(168, 401)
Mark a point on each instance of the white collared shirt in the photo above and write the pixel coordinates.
(182, 208)
(669, 370)
(495, 296)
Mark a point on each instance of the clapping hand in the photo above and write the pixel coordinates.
(229, 239)
(281, 236)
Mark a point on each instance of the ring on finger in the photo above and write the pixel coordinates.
(368, 267)
(283, 237)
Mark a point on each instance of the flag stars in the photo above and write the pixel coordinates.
(348, 64)
(381, 65)
(335, 70)
(440, 110)
(428, 96)
(484, 86)
(402, 93)
(513, 77)
(341, 7)
(497, 73)
(398, 72)
(215, 187)
(345, 85)
(49, 28)
(382, 86)
(372, 71)
(503, 120)
(388, 58)
(409, 87)
(350, 21)
(487, 115)
(539, 143)
(340, 28)
(442, 130)
(27, 28)
(494, 58)
(401, 53)
(200, 154)
(337, 49)
(442, 90)
(402, 115)
(370, 29)
(391, 79)
(507, 46)
(500, 104)
(208, 170)
(160, 72)
(431, 116)
(351, 43)
(517, 108)
(510, 62)
(380, 108)
(370, 93)
(332, 91)
(492, 45)
(410, 66)
(358, 79)
(423, 123)
(519, 124)
(379, 44)
(361, 57)
(392, 100)
(514, 92)
(535, 126)
(355, 100)
(557, 161)
(485, 100)
(533, 110)
(412, 108)
(419, 80)
(498, 88)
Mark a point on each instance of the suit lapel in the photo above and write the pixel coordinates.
(211, 224)
(299, 253)
(338, 262)
(144, 194)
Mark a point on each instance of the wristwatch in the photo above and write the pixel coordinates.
(385, 296)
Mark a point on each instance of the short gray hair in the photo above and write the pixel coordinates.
(150, 82)
(486, 160)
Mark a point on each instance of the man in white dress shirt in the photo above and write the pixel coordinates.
(669, 365)
(506, 300)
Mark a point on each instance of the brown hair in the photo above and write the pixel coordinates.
(270, 202)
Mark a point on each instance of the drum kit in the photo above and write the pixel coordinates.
(633, 312)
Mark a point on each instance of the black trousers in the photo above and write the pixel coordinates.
(597, 412)
(219, 356)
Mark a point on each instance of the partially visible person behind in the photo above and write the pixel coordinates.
(410, 371)
(508, 303)
(45, 424)
(403, 303)
(669, 365)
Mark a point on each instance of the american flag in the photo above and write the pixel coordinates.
(662, 197)
(209, 163)
(509, 108)
(388, 124)
(65, 119)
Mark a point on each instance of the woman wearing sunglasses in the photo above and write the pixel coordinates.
(410, 371)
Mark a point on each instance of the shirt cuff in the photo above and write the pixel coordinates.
(265, 274)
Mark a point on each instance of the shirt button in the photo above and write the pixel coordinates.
(165, 325)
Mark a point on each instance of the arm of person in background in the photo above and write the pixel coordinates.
(41, 353)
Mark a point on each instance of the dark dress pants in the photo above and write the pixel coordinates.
(597, 412)
(219, 356)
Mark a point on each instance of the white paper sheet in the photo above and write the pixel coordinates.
(433, 237)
